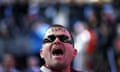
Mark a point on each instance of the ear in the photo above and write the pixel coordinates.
(75, 52)
(41, 53)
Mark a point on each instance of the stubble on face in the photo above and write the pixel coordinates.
(53, 63)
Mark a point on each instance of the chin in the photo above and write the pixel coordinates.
(58, 66)
(59, 63)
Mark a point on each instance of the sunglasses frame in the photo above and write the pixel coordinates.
(62, 38)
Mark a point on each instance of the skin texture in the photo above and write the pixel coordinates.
(61, 63)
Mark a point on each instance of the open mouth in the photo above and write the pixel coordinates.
(57, 52)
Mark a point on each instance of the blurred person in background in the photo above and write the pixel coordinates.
(78, 27)
(8, 28)
(4, 32)
(1, 67)
(106, 35)
(102, 48)
(62, 16)
(9, 63)
(92, 22)
(92, 44)
(117, 48)
(82, 38)
(37, 30)
(33, 64)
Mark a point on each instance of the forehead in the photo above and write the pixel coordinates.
(57, 31)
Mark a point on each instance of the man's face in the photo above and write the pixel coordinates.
(57, 50)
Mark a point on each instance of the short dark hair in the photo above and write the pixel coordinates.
(57, 25)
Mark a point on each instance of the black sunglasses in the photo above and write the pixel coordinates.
(62, 38)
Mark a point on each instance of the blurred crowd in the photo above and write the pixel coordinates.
(95, 28)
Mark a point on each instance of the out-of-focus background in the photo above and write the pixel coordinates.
(95, 25)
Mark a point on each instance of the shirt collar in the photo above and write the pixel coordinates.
(45, 69)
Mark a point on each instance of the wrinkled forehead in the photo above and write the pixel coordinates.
(57, 31)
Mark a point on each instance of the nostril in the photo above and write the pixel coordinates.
(57, 42)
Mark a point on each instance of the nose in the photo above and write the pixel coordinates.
(57, 40)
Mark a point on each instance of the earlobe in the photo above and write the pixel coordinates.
(41, 54)
(75, 52)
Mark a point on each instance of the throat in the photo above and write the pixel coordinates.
(61, 70)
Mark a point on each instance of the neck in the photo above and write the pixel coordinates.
(67, 69)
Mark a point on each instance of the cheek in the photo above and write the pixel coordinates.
(69, 46)
(46, 53)
(46, 46)
(46, 50)
(69, 50)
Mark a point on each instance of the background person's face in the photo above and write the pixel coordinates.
(58, 54)
(9, 61)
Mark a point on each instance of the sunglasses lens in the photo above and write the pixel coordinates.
(65, 39)
(49, 39)
(62, 38)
